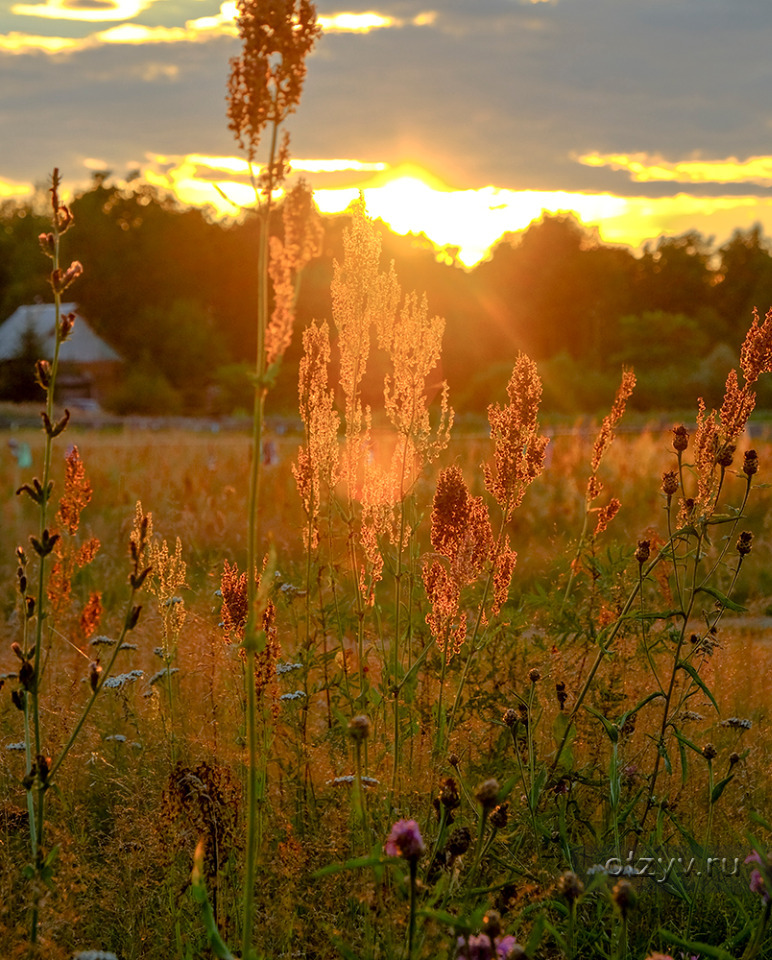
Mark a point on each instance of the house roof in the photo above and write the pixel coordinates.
(83, 345)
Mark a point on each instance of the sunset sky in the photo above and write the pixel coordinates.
(462, 119)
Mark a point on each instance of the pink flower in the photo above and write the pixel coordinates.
(758, 883)
(405, 840)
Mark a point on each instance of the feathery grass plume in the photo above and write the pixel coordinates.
(266, 81)
(167, 578)
(606, 433)
(461, 535)
(413, 341)
(317, 461)
(519, 450)
(361, 296)
(302, 242)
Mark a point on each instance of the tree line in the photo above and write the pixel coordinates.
(174, 292)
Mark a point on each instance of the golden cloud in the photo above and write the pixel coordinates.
(365, 22)
(85, 10)
(645, 168)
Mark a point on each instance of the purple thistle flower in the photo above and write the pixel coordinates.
(758, 883)
(405, 840)
(480, 947)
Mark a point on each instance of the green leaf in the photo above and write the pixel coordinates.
(641, 703)
(690, 669)
(662, 748)
(612, 730)
(696, 946)
(722, 599)
(718, 789)
(534, 939)
(559, 728)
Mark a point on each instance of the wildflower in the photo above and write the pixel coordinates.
(709, 751)
(483, 947)
(297, 695)
(534, 675)
(759, 881)
(659, 956)
(448, 795)
(510, 717)
(282, 668)
(405, 841)
(116, 738)
(95, 955)
(560, 692)
(756, 351)
(350, 778)
(734, 758)
(738, 723)
(120, 681)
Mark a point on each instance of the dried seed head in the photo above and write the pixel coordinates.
(487, 794)
(359, 728)
(750, 463)
(680, 438)
(745, 543)
(510, 717)
(560, 692)
(709, 751)
(534, 675)
(643, 551)
(454, 760)
(733, 759)
(669, 482)
(570, 886)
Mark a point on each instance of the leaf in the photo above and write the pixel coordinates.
(612, 730)
(662, 748)
(718, 789)
(536, 934)
(559, 729)
(689, 668)
(696, 946)
(722, 599)
(641, 703)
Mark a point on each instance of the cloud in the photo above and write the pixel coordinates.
(85, 10)
(365, 22)
(646, 168)
(12, 189)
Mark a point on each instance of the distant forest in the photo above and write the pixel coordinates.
(174, 293)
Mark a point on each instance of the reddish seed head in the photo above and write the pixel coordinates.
(680, 438)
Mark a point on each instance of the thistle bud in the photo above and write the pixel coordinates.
(680, 438)
(492, 924)
(726, 455)
(500, 816)
(510, 717)
(709, 751)
(487, 794)
(94, 673)
(750, 463)
(459, 841)
(669, 483)
(560, 693)
(734, 758)
(449, 797)
(534, 675)
(359, 728)
(624, 897)
(745, 543)
(570, 886)
(18, 650)
(454, 760)
(642, 551)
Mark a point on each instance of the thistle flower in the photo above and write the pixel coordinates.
(759, 881)
(744, 543)
(570, 886)
(405, 841)
(487, 794)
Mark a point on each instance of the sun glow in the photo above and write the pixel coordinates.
(89, 11)
(645, 168)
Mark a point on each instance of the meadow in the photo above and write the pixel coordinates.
(381, 686)
(161, 762)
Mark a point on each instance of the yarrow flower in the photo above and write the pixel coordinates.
(405, 840)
